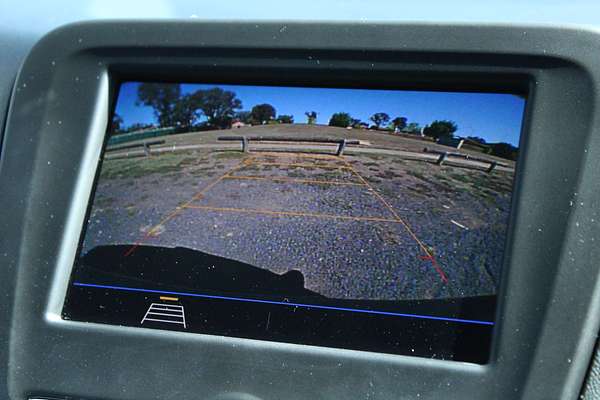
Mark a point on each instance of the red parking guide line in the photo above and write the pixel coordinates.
(436, 266)
(429, 255)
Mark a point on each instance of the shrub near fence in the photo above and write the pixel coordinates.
(139, 135)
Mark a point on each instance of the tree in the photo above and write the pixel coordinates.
(116, 125)
(187, 110)
(162, 97)
(311, 116)
(440, 128)
(218, 106)
(399, 123)
(380, 119)
(285, 119)
(413, 128)
(340, 119)
(262, 113)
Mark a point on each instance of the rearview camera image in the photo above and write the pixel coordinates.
(353, 218)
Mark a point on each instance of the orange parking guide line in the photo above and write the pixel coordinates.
(292, 180)
(291, 213)
(299, 155)
(300, 165)
(429, 254)
(251, 160)
(151, 231)
(167, 298)
(177, 210)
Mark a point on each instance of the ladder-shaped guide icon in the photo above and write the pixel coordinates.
(169, 313)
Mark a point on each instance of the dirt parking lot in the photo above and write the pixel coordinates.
(356, 226)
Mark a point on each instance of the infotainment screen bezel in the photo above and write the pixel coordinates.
(456, 328)
(548, 313)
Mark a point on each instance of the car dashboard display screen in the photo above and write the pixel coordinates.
(361, 219)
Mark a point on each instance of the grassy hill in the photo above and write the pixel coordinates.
(375, 139)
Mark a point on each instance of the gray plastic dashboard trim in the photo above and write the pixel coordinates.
(550, 293)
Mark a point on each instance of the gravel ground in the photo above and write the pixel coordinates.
(460, 215)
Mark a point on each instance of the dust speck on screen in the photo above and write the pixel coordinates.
(363, 219)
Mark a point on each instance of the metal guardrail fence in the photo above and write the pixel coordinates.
(245, 140)
(444, 155)
(146, 145)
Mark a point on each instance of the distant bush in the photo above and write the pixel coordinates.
(412, 128)
(379, 119)
(285, 119)
(440, 128)
(262, 113)
(399, 123)
(340, 119)
(505, 150)
(311, 117)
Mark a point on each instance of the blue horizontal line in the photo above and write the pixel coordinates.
(282, 303)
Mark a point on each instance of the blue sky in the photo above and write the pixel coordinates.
(494, 117)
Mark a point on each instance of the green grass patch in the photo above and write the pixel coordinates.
(460, 177)
(388, 174)
(419, 175)
(229, 155)
(144, 166)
